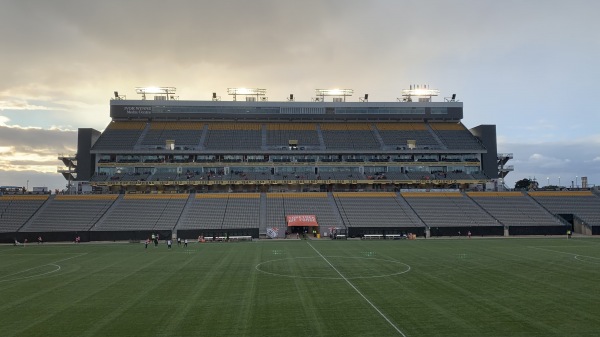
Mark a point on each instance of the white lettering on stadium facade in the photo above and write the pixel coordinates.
(138, 110)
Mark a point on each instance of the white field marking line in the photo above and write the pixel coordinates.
(36, 275)
(574, 254)
(47, 264)
(257, 267)
(358, 291)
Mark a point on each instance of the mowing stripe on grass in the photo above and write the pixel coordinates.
(358, 291)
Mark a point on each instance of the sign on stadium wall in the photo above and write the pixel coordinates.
(302, 220)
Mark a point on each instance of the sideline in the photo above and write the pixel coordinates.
(358, 291)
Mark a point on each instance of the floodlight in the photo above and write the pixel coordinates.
(246, 92)
(166, 91)
(334, 92)
(419, 90)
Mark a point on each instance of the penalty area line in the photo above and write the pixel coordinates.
(358, 291)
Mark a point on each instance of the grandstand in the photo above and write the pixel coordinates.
(16, 210)
(241, 167)
(518, 212)
(580, 207)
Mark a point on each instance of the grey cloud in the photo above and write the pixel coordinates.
(36, 179)
(38, 140)
(553, 160)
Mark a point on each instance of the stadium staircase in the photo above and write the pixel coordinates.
(37, 212)
(506, 228)
(483, 208)
(405, 205)
(320, 136)
(338, 212)
(138, 144)
(200, 145)
(435, 136)
(378, 136)
(32, 215)
(262, 231)
(263, 137)
(108, 211)
(184, 211)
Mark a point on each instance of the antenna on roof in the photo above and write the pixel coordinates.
(450, 99)
(118, 97)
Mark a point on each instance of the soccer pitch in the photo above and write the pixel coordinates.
(432, 287)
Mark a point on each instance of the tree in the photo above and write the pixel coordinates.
(525, 184)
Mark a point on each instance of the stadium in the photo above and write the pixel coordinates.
(323, 218)
(254, 168)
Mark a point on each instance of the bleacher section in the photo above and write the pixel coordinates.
(456, 136)
(185, 134)
(514, 209)
(70, 213)
(376, 210)
(447, 209)
(355, 213)
(233, 136)
(279, 134)
(120, 136)
(349, 136)
(397, 135)
(222, 211)
(16, 210)
(144, 212)
(583, 204)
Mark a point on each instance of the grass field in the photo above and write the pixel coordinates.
(478, 287)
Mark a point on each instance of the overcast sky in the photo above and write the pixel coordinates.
(529, 67)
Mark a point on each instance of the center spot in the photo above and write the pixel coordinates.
(317, 268)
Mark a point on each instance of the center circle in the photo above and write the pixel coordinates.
(333, 268)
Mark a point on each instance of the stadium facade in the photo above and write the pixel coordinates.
(167, 145)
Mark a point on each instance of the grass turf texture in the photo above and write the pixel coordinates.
(478, 287)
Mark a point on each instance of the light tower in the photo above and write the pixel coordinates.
(159, 93)
(259, 93)
(339, 95)
(421, 91)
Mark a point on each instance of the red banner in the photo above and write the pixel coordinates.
(302, 220)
